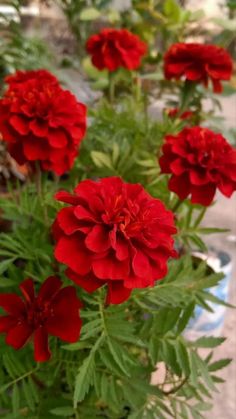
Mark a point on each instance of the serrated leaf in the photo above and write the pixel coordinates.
(117, 355)
(84, 379)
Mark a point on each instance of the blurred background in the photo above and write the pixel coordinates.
(52, 34)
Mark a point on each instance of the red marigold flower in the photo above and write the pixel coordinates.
(54, 311)
(113, 233)
(172, 113)
(198, 63)
(41, 122)
(114, 48)
(199, 161)
(15, 80)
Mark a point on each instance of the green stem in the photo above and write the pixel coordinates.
(40, 192)
(111, 87)
(200, 217)
(187, 96)
(177, 205)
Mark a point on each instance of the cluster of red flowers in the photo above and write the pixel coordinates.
(197, 62)
(113, 233)
(41, 122)
(199, 161)
(54, 311)
(114, 48)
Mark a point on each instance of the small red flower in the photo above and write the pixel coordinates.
(172, 113)
(113, 233)
(54, 311)
(114, 48)
(41, 122)
(199, 161)
(198, 63)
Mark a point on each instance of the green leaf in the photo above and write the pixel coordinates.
(182, 357)
(5, 264)
(90, 13)
(222, 363)
(15, 400)
(184, 319)
(208, 342)
(76, 346)
(117, 354)
(65, 411)
(101, 159)
(172, 10)
(84, 379)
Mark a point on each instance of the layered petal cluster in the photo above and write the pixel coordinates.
(113, 233)
(199, 161)
(41, 122)
(199, 63)
(54, 311)
(114, 48)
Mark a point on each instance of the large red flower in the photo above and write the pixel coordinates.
(113, 233)
(41, 122)
(199, 161)
(15, 80)
(114, 48)
(54, 311)
(197, 62)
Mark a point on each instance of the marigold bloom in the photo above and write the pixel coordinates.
(113, 233)
(200, 63)
(54, 311)
(114, 48)
(199, 161)
(41, 122)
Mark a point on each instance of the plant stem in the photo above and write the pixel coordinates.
(177, 205)
(38, 180)
(111, 87)
(40, 192)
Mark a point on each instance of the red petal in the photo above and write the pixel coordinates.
(12, 304)
(110, 268)
(67, 220)
(117, 293)
(122, 249)
(39, 128)
(67, 197)
(7, 323)
(57, 138)
(141, 265)
(227, 187)
(83, 214)
(41, 349)
(180, 185)
(27, 289)
(49, 288)
(203, 194)
(65, 322)
(19, 124)
(18, 335)
(71, 251)
(88, 282)
(98, 239)
(36, 149)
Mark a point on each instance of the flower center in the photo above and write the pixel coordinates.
(38, 314)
